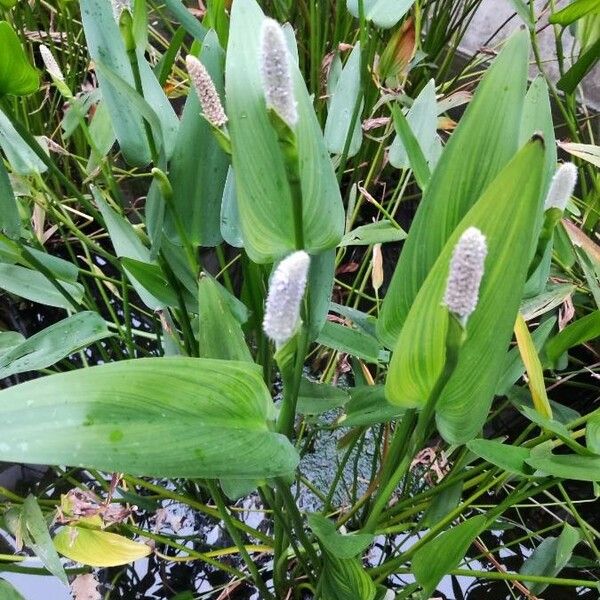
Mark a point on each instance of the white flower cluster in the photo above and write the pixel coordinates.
(50, 63)
(562, 186)
(207, 92)
(286, 290)
(276, 72)
(466, 272)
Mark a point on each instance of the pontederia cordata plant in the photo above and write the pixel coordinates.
(194, 207)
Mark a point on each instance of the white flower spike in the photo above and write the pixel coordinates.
(466, 272)
(286, 290)
(276, 72)
(562, 186)
(207, 92)
(50, 63)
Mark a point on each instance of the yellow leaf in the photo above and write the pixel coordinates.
(98, 548)
(533, 367)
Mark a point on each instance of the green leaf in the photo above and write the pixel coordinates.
(17, 76)
(53, 343)
(106, 46)
(368, 406)
(321, 277)
(98, 548)
(198, 169)
(213, 412)
(230, 216)
(592, 434)
(343, 99)
(317, 398)
(572, 78)
(419, 355)
(422, 117)
(10, 221)
(588, 152)
(443, 502)
(417, 159)
(469, 162)
(344, 579)
(554, 296)
(523, 11)
(340, 545)
(350, 341)
(573, 12)
(568, 466)
(264, 201)
(41, 542)
(220, 334)
(8, 592)
(22, 159)
(444, 553)
(550, 557)
(584, 329)
(384, 13)
(188, 22)
(34, 286)
(374, 233)
(510, 458)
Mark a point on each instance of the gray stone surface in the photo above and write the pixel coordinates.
(490, 16)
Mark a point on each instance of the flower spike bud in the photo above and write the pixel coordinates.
(50, 63)
(282, 313)
(276, 72)
(207, 92)
(466, 271)
(119, 6)
(562, 186)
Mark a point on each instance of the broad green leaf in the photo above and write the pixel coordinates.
(513, 364)
(213, 413)
(321, 277)
(415, 155)
(105, 45)
(443, 502)
(17, 76)
(368, 406)
(9, 340)
(374, 233)
(344, 579)
(98, 548)
(554, 296)
(507, 457)
(198, 169)
(350, 341)
(230, 216)
(573, 12)
(338, 544)
(317, 398)
(467, 166)
(582, 330)
(34, 286)
(263, 194)
(8, 592)
(568, 466)
(41, 542)
(444, 553)
(419, 355)
(550, 557)
(533, 367)
(54, 343)
(537, 117)
(422, 117)
(344, 97)
(220, 334)
(10, 221)
(592, 434)
(384, 13)
(190, 23)
(22, 159)
(127, 244)
(521, 398)
(102, 132)
(572, 78)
